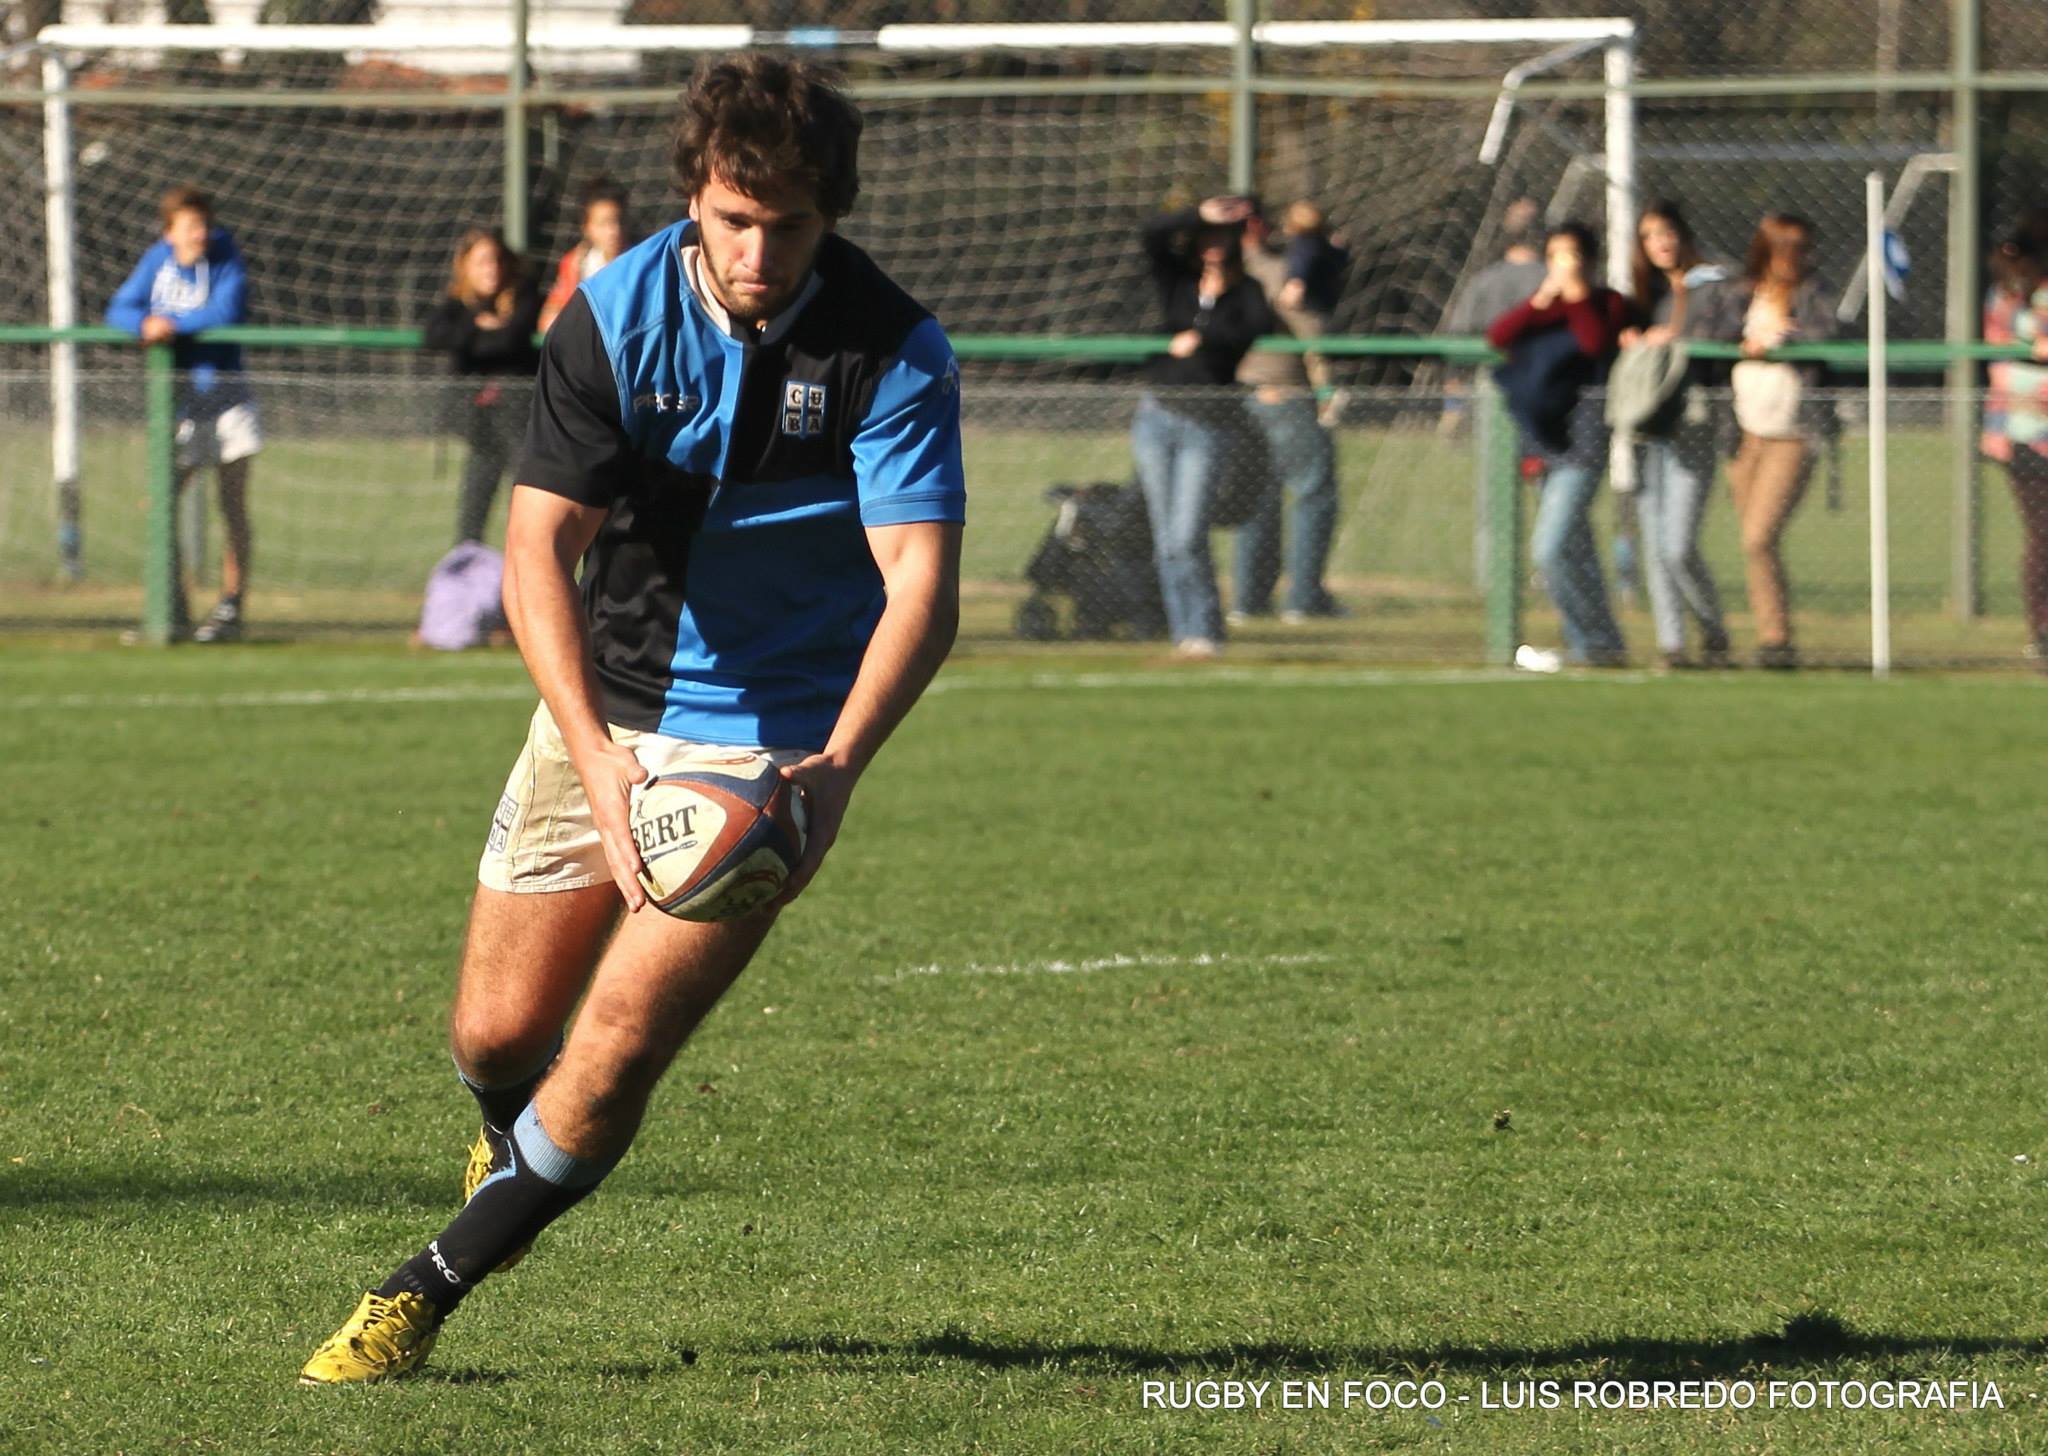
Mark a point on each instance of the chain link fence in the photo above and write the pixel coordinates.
(354, 498)
(1006, 188)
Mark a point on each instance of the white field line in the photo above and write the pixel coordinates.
(1100, 963)
(1277, 677)
(1211, 677)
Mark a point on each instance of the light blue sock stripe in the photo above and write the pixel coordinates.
(540, 1154)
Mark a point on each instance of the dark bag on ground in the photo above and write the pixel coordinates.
(1097, 555)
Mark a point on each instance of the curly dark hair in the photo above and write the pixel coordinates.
(755, 121)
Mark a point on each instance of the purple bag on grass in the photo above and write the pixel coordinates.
(464, 600)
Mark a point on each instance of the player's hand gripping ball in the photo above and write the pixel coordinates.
(719, 831)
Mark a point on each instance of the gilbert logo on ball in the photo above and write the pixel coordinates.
(719, 831)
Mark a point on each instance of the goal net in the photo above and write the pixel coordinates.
(1006, 171)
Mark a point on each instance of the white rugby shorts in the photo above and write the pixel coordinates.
(542, 837)
(219, 439)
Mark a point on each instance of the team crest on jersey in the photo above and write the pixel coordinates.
(803, 409)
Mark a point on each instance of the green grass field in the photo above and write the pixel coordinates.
(1280, 1024)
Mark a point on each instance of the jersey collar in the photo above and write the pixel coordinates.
(688, 255)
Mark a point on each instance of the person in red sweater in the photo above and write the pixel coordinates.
(605, 236)
(1560, 342)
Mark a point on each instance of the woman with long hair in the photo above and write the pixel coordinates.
(485, 326)
(2016, 415)
(1560, 343)
(1779, 300)
(1674, 289)
(1186, 421)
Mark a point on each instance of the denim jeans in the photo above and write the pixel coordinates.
(1673, 487)
(1304, 462)
(492, 431)
(1177, 458)
(1564, 550)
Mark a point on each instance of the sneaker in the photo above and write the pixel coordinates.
(383, 1339)
(1329, 611)
(222, 624)
(490, 1155)
(1195, 648)
(1538, 659)
(1777, 657)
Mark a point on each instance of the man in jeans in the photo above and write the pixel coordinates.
(1298, 449)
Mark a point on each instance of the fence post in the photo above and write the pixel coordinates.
(1244, 137)
(1500, 445)
(516, 180)
(1880, 433)
(160, 542)
(60, 235)
(1965, 246)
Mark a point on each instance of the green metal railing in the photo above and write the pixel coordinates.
(1497, 435)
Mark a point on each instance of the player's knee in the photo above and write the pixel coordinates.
(495, 1048)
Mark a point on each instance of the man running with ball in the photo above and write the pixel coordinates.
(749, 439)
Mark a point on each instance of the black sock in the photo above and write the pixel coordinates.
(506, 1212)
(501, 1106)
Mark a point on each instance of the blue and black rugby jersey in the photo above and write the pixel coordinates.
(730, 592)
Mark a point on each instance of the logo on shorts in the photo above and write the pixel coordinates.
(501, 824)
(803, 409)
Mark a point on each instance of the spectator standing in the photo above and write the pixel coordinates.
(1779, 300)
(2016, 415)
(1189, 414)
(192, 278)
(1560, 343)
(1499, 286)
(604, 237)
(1674, 292)
(1299, 450)
(485, 326)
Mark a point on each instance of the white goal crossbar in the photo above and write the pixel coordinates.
(403, 36)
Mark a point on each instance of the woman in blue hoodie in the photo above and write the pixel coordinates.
(192, 279)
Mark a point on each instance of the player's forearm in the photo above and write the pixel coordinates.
(546, 616)
(909, 646)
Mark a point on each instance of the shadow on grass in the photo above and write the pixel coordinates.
(92, 1190)
(468, 1375)
(1805, 1340)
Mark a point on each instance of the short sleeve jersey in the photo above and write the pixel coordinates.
(730, 593)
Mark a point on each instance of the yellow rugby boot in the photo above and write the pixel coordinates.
(383, 1339)
(483, 1162)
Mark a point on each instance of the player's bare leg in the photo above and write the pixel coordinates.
(525, 960)
(654, 984)
(658, 981)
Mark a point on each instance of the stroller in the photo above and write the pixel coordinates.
(1098, 555)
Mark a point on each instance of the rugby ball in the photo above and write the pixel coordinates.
(719, 830)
